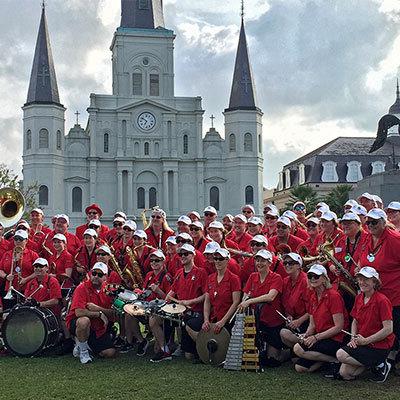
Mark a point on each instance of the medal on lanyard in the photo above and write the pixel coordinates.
(215, 293)
(347, 258)
(371, 257)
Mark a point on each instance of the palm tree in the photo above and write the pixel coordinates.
(337, 197)
(303, 193)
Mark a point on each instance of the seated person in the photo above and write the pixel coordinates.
(372, 331)
(89, 314)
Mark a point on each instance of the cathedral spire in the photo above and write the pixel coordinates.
(243, 90)
(395, 108)
(397, 90)
(145, 14)
(43, 83)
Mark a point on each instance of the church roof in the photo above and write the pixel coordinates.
(243, 96)
(395, 108)
(144, 14)
(43, 84)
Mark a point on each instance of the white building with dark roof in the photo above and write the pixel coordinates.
(142, 146)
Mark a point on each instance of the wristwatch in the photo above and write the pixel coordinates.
(100, 314)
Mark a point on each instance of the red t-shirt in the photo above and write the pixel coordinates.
(293, 242)
(201, 245)
(255, 288)
(176, 264)
(82, 228)
(40, 235)
(301, 233)
(154, 240)
(58, 265)
(323, 310)
(84, 259)
(163, 279)
(73, 244)
(310, 245)
(85, 293)
(191, 286)
(243, 241)
(370, 316)
(220, 294)
(386, 262)
(295, 296)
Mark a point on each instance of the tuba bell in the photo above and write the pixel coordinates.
(12, 205)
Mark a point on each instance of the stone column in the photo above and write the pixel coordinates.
(120, 200)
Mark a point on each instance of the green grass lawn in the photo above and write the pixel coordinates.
(130, 377)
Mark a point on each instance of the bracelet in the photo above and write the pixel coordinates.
(315, 336)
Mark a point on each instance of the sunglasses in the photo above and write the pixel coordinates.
(256, 244)
(290, 263)
(270, 217)
(311, 226)
(373, 222)
(183, 241)
(99, 274)
(92, 213)
(116, 224)
(313, 276)
(156, 216)
(184, 254)
(155, 260)
(39, 266)
(18, 239)
(246, 212)
(128, 229)
(195, 229)
(24, 228)
(208, 214)
(299, 208)
(102, 254)
(219, 258)
(93, 227)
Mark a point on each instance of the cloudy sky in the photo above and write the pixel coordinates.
(323, 68)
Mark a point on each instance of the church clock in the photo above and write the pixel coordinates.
(146, 121)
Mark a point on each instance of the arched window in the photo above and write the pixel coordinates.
(43, 139)
(302, 174)
(146, 148)
(152, 197)
(329, 173)
(287, 179)
(77, 199)
(140, 198)
(185, 144)
(378, 167)
(232, 143)
(249, 195)
(137, 84)
(354, 173)
(248, 142)
(43, 195)
(156, 149)
(154, 85)
(28, 139)
(214, 197)
(136, 149)
(58, 140)
(106, 142)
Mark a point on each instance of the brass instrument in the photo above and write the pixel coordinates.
(146, 223)
(136, 274)
(125, 275)
(12, 206)
(240, 252)
(18, 250)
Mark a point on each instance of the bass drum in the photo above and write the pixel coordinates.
(27, 331)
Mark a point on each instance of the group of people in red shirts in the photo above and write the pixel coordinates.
(325, 291)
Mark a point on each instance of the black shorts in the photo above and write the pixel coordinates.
(324, 346)
(96, 344)
(271, 335)
(396, 324)
(367, 356)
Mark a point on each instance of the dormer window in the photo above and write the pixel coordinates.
(302, 174)
(329, 173)
(354, 173)
(287, 179)
(280, 183)
(377, 167)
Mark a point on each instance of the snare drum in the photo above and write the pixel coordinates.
(122, 299)
(27, 331)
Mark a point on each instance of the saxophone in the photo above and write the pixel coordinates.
(125, 275)
(136, 271)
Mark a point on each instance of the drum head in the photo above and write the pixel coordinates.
(173, 308)
(136, 309)
(127, 296)
(157, 303)
(24, 331)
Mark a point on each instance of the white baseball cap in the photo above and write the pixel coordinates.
(216, 225)
(90, 232)
(271, 207)
(197, 224)
(394, 205)
(184, 219)
(120, 214)
(158, 253)
(350, 203)
(322, 204)
(368, 272)
(130, 224)
(377, 199)
(100, 266)
(298, 203)
(95, 222)
(41, 261)
(267, 255)
(210, 209)
(259, 239)
(63, 216)
(350, 217)
(21, 233)
(223, 252)
(255, 221)
(184, 236)
(241, 217)
(250, 207)
(329, 216)
(159, 211)
(290, 214)
(187, 247)
(314, 220)
(104, 248)
(359, 210)
(318, 269)
(38, 210)
(377, 213)
(195, 213)
(119, 219)
(171, 240)
(295, 257)
(24, 224)
(211, 247)
(272, 212)
(368, 196)
(140, 233)
(60, 236)
(285, 221)
(229, 216)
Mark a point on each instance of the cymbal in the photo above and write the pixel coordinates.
(173, 308)
(157, 303)
(211, 347)
(137, 309)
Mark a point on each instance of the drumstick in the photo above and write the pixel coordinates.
(348, 333)
(246, 297)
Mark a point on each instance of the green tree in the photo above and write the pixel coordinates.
(337, 197)
(8, 178)
(303, 193)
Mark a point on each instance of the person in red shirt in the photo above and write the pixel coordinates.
(221, 299)
(367, 200)
(393, 214)
(211, 247)
(89, 315)
(308, 247)
(248, 211)
(299, 208)
(170, 244)
(38, 230)
(47, 296)
(296, 228)
(371, 329)
(217, 234)
(294, 299)
(284, 237)
(324, 335)
(227, 222)
(196, 231)
(194, 216)
(116, 232)
(188, 288)
(183, 224)
(30, 244)
(265, 286)
(254, 226)
(4, 243)
(209, 215)
(92, 212)
(85, 258)
(242, 238)
(104, 255)
(270, 219)
(158, 231)
(61, 263)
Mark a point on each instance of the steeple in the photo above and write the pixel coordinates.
(395, 108)
(243, 95)
(145, 14)
(43, 84)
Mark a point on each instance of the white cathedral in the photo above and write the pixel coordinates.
(142, 145)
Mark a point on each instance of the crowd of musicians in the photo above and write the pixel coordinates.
(325, 290)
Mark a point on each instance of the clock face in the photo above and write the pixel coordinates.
(146, 121)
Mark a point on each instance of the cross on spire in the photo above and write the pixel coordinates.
(77, 117)
(246, 81)
(44, 74)
(212, 120)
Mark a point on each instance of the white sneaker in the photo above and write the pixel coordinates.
(76, 352)
(84, 356)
